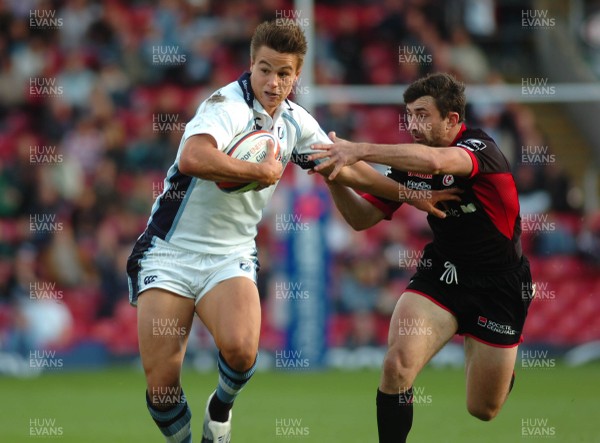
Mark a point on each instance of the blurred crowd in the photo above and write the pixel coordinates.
(94, 97)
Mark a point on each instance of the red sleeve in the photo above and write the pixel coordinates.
(388, 207)
(475, 170)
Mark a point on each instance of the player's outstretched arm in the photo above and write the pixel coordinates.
(358, 212)
(201, 158)
(412, 157)
(364, 178)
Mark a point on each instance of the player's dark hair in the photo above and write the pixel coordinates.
(281, 35)
(448, 93)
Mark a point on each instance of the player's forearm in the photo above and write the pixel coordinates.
(357, 212)
(208, 163)
(222, 169)
(364, 178)
(406, 156)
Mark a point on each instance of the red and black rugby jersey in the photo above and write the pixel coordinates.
(482, 230)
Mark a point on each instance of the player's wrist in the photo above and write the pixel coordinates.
(363, 150)
(269, 174)
(330, 183)
(264, 176)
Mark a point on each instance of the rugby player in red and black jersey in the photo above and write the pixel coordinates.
(473, 279)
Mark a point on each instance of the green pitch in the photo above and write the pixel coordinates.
(548, 405)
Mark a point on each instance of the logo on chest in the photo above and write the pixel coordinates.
(418, 185)
(419, 182)
(448, 180)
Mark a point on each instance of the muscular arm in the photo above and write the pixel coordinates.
(363, 177)
(201, 158)
(358, 212)
(412, 157)
(418, 158)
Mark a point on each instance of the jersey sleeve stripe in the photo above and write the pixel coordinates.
(387, 207)
(475, 170)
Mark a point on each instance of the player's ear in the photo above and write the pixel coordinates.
(453, 118)
(298, 67)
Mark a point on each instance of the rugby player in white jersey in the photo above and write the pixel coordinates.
(198, 254)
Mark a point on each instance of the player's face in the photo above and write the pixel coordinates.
(273, 76)
(425, 123)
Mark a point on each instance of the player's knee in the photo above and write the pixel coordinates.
(396, 367)
(163, 375)
(484, 412)
(239, 356)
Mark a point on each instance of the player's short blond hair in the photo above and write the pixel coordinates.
(281, 35)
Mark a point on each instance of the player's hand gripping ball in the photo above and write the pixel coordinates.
(251, 147)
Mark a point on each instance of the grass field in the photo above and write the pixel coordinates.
(321, 407)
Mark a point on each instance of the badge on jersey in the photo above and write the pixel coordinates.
(150, 279)
(472, 144)
(245, 265)
(448, 180)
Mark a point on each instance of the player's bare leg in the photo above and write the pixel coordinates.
(489, 371)
(418, 330)
(164, 322)
(231, 312)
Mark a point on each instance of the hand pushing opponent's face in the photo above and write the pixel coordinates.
(426, 125)
(273, 75)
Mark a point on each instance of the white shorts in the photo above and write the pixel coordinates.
(155, 263)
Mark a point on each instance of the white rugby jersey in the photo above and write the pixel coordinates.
(193, 213)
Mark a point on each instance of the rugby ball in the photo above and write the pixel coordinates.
(251, 147)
